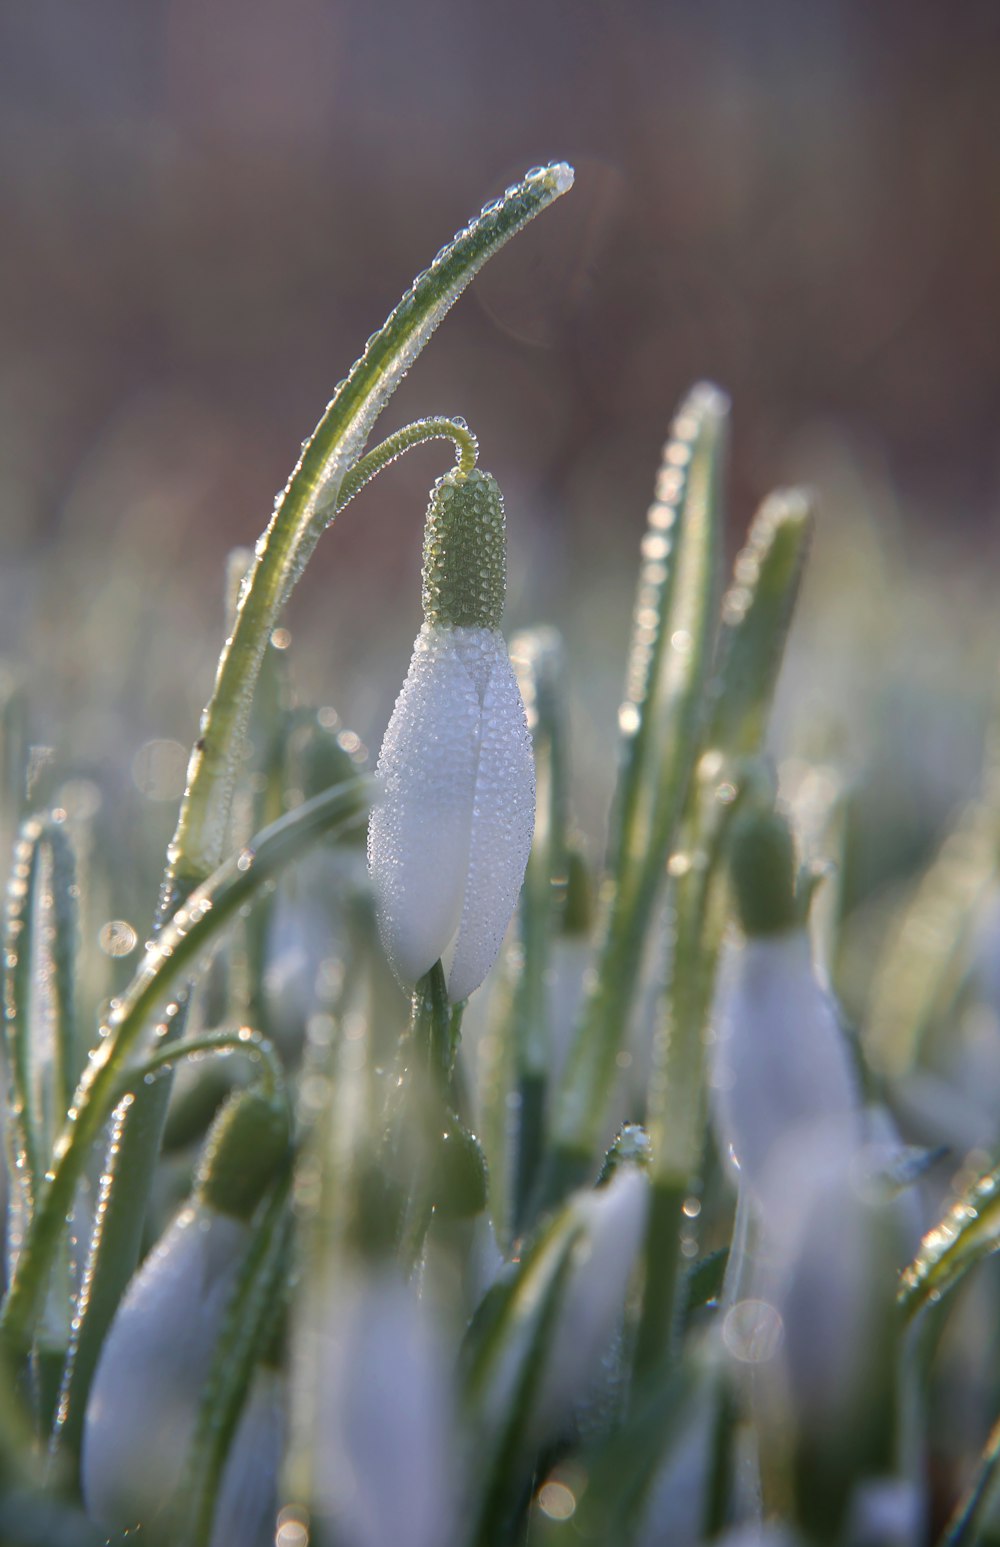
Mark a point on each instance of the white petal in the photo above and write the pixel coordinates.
(418, 835)
(144, 1399)
(781, 1060)
(248, 1494)
(614, 1218)
(887, 1512)
(385, 1433)
(503, 819)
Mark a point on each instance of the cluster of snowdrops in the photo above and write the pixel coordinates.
(545, 1200)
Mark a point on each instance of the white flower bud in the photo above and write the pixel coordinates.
(613, 1220)
(450, 832)
(781, 1061)
(144, 1399)
(385, 1432)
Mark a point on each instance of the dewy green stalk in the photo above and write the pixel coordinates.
(673, 630)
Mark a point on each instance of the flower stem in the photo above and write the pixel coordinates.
(416, 434)
(242, 1041)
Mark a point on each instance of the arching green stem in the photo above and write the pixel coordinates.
(362, 473)
(242, 1041)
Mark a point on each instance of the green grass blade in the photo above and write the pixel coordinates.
(966, 1234)
(41, 936)
(539, 662)
(668, 666)
(921, 970)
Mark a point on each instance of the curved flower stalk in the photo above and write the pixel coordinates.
(451, 829)
(144, 1400)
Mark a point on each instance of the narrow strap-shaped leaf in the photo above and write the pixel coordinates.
(756, 615)
(970, 1519)
(672, 632)
(668, 665)
(517, 1332)
(921, 969)
(169, 961)
(539, 663)
(966, 1234)
(41, 934)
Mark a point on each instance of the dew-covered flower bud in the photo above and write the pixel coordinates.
(451, 829)
(157, 1355)
(781, 1060)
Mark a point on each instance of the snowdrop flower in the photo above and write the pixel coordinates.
(248, 1491)
(819, 1329)
(781, 1060)
(450, 832)
(886, 1512)
(385, 1427)
(144, 1400)
(613, 1221)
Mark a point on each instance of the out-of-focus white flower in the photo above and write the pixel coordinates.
(674, 1513)
(886, 1512)
(611, 1221)
(781, 1060)
(451, 829)
(247, 1502)
(157, 1356)
(614, 1221)
(144, 1399)
(819, 1323)
(827, 1269)
(385, 1428)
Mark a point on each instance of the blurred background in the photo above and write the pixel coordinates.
(208, 205)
